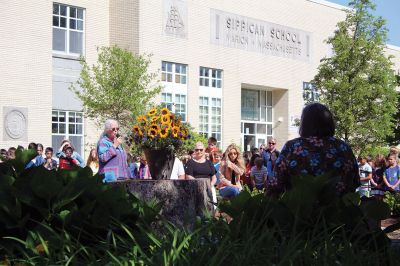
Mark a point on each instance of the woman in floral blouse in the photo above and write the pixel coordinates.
(316, 152)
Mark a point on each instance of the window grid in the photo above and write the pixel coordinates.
(67, 125)
(180, 106)
(68, 29)
(210, 77)
(216, 119)
(203, 116)
(166, 101)
(210, 118)
(310, 92)
(173, 72)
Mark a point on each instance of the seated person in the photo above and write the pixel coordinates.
(258, 174)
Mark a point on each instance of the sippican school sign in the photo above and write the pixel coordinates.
(254, 35)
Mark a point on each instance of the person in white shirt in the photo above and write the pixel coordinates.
(178, 172)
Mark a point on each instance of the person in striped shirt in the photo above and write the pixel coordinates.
(259, 174)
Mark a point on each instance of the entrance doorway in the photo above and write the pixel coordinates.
(256, 118)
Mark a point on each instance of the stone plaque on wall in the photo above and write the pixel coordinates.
(175, 18)
(240, 32)
(15, 123)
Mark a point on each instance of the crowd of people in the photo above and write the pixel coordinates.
(315, 152)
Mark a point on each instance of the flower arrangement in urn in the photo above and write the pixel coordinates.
(160, 134)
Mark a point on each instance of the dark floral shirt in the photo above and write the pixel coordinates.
(316, 156)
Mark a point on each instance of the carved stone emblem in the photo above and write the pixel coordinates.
(174, 23)
(15, 124)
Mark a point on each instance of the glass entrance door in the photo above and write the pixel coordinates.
(253, 135)
(256, 114)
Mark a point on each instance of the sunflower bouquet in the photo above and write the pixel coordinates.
(159, 129)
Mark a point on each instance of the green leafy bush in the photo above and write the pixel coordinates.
(393, 200)
(65, 207)
(75, 219)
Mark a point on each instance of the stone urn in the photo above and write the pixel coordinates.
(160, 163)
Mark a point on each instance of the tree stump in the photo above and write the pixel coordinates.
(182, 200)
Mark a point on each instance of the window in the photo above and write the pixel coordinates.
(210, 118)
(203, 116)
(67, 125)
(166, 100)
(210, 77)
(178, 107)
(68, 29)
(310, 92)
(173, 72)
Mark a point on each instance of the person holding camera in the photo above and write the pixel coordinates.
(113, 164)
(65, 144)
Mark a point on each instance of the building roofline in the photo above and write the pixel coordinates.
(330, 4)
(393, 47)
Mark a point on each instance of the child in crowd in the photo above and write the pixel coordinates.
(67, 162)
(3, 155)
(378, 168)
(49, 163)
(39, 159)
(217, 164)
(259, 174)
(211, 149)
(11, 153)
(365, 171)
(391, 176)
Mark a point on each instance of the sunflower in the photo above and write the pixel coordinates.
(154, 118)
(152, 112)
(152, 133)
(142, 119)
(137, 130)
(164, 132)
(165, 111)
(165, 120)
(184, 132)
(175, 131)
(155, 127)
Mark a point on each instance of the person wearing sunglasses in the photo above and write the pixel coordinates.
(231, 169)
(200, 167)
(269, 155)
(113, 165)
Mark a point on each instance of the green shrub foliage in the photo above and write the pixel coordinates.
(70, 217)
(37, 203)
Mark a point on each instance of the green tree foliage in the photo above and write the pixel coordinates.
(118, 86)
(190, 143)
(357, 83)
(395, 138)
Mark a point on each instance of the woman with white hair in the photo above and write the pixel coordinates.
(113, 164)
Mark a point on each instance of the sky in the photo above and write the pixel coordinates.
(390, 11)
